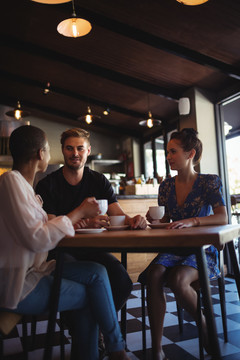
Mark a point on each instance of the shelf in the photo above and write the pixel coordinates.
(104, 162)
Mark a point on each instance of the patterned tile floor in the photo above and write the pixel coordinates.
(176, 346)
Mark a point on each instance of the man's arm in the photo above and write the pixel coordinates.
(136, 222)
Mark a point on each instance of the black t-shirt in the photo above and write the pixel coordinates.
(59, 197)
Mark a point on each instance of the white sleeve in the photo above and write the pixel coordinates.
(24, 218)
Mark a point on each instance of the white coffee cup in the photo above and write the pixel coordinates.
(103, 206)
(156, 212)
(117, 220)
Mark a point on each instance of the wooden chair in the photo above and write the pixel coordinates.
(9, 320)
(196, 286)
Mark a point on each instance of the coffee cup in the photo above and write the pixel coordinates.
(103, 206)
(117, 220)
(156, 212)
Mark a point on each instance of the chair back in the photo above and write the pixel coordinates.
(8, 321)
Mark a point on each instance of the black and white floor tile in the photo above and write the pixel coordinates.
(176, 346)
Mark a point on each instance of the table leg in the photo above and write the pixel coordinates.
(235, 265)
(53, 307)
(207, 303)
(124, 308)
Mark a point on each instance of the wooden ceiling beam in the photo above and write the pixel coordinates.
(93, 69)
(95, 126)
(159, 43)
(59, 91)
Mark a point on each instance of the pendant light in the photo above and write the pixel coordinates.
(89, 117)
(53, 2)
(18, 113)
(74, 26)
(150, 122)
(106, 111)
(192, 2)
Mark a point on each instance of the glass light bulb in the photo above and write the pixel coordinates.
(88, 119)
(150, 122)
(192, 2)
(17, 114)
(74, 28)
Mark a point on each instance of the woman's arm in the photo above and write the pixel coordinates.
(218, 218)
(89, 208)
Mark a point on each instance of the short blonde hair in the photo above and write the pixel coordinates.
(75, 132)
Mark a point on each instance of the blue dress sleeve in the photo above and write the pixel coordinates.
(214, 191)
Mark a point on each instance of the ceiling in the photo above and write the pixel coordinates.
(139, 54)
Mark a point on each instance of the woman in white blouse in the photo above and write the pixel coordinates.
(26, 237)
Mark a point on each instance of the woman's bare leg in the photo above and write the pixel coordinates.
(156, 303)
(179, 280)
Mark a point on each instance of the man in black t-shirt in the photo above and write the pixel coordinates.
(66, 188)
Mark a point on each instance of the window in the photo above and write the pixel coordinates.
(155, 159)
(160, 156)
(148, 159)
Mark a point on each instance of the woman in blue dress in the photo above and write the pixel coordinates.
(190, 199)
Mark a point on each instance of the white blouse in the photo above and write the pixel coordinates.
(26, 236)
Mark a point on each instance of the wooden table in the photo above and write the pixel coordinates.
(150, 240)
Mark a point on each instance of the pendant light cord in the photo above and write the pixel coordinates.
(74, 12)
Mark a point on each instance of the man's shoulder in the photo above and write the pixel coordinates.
(54, 176)
(93, 174)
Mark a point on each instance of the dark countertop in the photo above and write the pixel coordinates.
(125, 197)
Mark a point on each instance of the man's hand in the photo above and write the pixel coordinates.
(137, 222)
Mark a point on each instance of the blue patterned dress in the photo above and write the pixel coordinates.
(206, 194)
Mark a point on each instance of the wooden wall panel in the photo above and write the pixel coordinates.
(136, 263)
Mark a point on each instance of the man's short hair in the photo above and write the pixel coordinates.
(25, 141)
(76, 132)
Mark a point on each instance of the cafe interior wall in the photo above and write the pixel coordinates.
(202, 119)
(109, 147)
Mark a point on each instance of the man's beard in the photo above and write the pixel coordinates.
(77, 166)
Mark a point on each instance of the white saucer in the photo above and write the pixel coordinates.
(89, 231)
(118, 227)
(158, 226)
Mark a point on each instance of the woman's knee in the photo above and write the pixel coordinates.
(156, 274)
(180, 278)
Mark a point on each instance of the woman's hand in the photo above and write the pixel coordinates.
(98, 221)
(81, 224)
(89, 208)
(180, 224)
(93, 223)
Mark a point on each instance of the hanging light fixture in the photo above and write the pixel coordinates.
(51, 1)
(18, 113)
(46, 89)
(74, 26)
(192, 2)
(106, 111)
(150, 122)
(89, 117)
